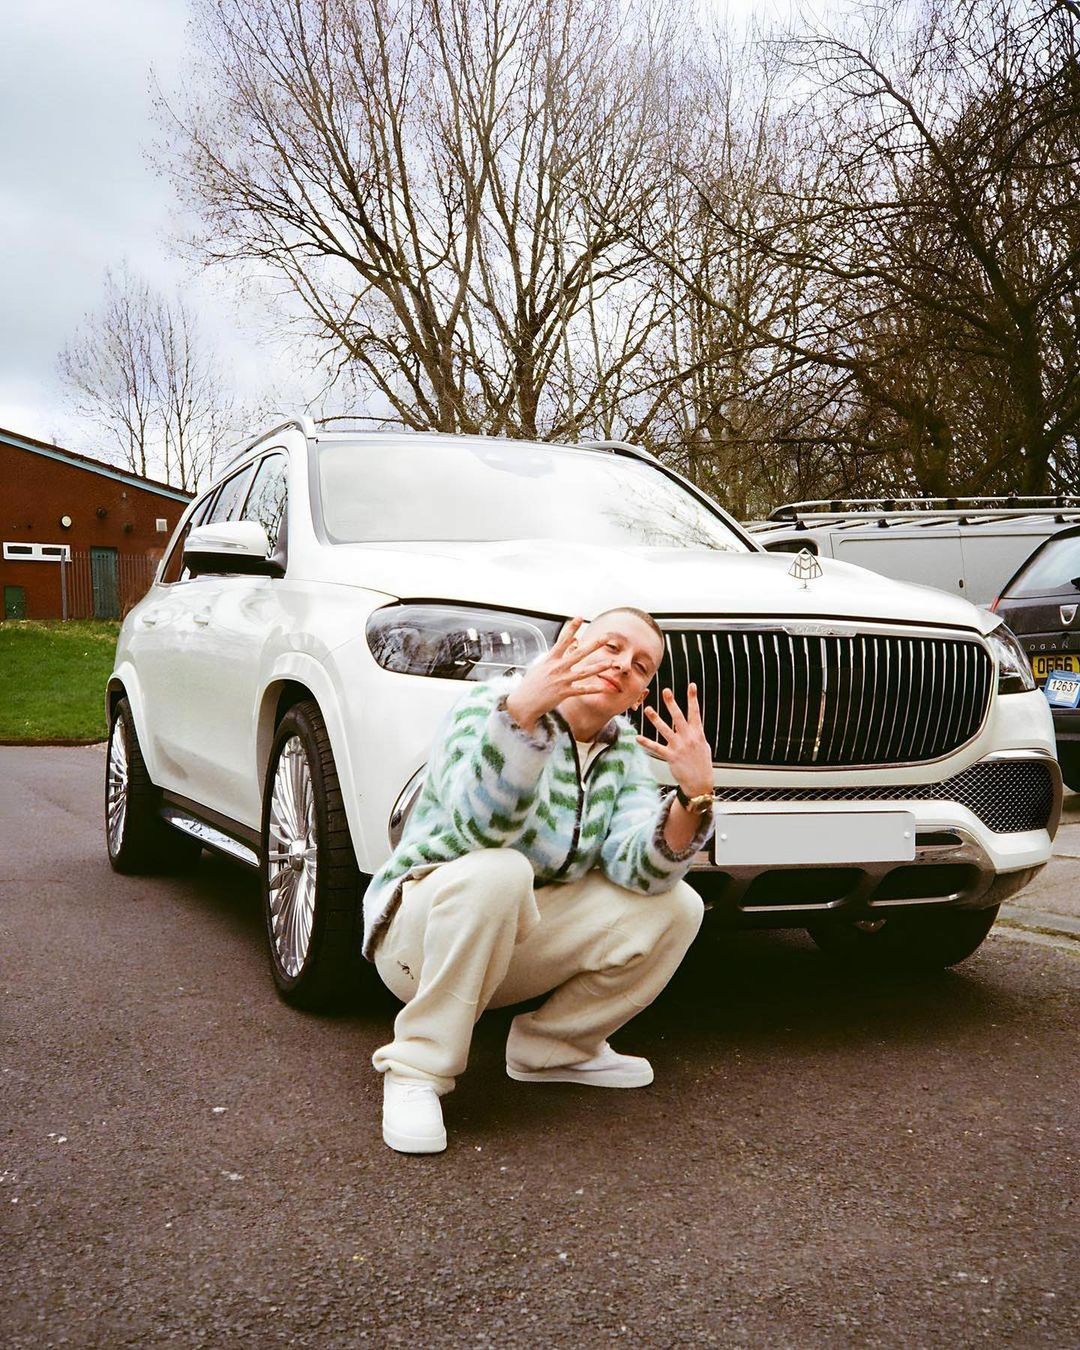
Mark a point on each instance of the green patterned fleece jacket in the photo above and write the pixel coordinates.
(491, 785)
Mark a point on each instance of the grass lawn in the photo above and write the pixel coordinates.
(52, 679)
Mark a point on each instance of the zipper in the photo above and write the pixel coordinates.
(579, 809)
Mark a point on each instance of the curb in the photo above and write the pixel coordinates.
(38, 745)
(1040, 921)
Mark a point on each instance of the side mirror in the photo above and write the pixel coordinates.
(232, 547)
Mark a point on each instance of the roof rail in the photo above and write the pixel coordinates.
(325, 422)
(620, 448)
(939, 506)
(302, 423)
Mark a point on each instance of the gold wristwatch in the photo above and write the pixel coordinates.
(698, 805)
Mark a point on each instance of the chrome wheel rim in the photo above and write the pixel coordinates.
(292, 858)
(116, 787)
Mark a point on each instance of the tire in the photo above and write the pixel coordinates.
(138, 840)
(311, 885)
(910, 942)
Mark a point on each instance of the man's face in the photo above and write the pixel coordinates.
(633, 652)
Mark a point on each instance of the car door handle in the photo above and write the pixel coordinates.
(202, 618)
(152, 618)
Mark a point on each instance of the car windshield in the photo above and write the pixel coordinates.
(1052, 570)
(382, 490)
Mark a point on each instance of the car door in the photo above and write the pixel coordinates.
(161, 628)
(233, 619)
(175, 650)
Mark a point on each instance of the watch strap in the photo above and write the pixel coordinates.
(698, 805)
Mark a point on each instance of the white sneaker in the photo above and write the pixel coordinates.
(607, 1069)
(412, 1116)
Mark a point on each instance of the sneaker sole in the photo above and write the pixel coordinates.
(615, 1078)
(408, 1143)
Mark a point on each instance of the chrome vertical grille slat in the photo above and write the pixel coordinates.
(718, 702)
(858, 683)
(933, 706)
(772, 694)
(777, 698)
(966, 675)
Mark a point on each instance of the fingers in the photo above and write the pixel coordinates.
(653, 748)
(588, 687)
(590, 663)
(566, 637)
(658, 722)
(693, 707)
(581, 654)
(678, 721)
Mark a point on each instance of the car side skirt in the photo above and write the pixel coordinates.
(228, 837)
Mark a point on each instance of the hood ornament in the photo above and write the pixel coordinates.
(805, 568)
(1068, 613)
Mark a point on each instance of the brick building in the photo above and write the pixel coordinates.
(81, 538)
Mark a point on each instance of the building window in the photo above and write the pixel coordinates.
(14, 552)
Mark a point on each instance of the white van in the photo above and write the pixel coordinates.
(967, 545)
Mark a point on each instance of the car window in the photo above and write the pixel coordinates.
(1051, 570)
(230, 496)
(504, 490)
(266, 500)
(174, 569)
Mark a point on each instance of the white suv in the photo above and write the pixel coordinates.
(885, 769)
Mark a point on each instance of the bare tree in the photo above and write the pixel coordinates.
(730, 402)
(139, 372)
(942, 238)
(198, 417)
(448, 186)
(108, 369)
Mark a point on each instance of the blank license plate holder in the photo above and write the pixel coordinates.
(812, 838)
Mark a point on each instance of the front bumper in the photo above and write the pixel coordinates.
(977, 842)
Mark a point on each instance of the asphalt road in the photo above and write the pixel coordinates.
(821, 1162)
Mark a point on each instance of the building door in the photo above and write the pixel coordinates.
(103, 577)
(14, 602)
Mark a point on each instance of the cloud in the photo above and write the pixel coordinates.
(76, 193)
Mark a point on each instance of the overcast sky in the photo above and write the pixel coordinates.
(78, 195)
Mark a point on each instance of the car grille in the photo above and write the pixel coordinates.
(1007, 795)
(774, 698)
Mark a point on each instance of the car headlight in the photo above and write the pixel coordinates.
(1014, 669)
(449, 642)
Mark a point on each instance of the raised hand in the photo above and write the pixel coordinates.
(566, 670)
(683, 744)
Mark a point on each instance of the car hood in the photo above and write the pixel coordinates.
(560, 577)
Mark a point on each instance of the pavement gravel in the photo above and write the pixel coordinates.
(822, 1161)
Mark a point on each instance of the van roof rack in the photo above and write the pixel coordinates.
(929, 509)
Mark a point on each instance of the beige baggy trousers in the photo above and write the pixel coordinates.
(475, 934)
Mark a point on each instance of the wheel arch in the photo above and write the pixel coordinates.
(278, 697)
(124, 683)
(115, 690)
(297, 680)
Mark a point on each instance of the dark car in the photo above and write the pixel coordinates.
(1041, 604)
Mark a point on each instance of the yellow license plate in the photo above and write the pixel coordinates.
(1042, 666)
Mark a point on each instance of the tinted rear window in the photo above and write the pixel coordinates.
(1051, 570)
